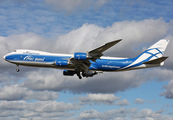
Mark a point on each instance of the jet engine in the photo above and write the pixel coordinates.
(61, 62)
(89, 74)
(80, 56)
(68, 73)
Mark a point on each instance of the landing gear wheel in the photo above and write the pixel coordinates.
(17, 69)
(83, 74)
(78, 74)
(80, 77)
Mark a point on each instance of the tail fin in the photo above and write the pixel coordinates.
(155, 51)
(158, 48)
(152, 57)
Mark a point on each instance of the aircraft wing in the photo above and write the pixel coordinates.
(83, 65)
(98, 52)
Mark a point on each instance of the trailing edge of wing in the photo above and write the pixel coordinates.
(156, 61)
(97, 53)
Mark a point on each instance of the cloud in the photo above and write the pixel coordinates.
(122, 102)
(168, 93)
(33, 16)
(149, 114)
(154, 101)
(110, 114)
(160, 111)
(81, 39)
(39, 109)
(74, 5)
(123, 114)
(53, 80)
(14, 1)
(145, 32)
(109, 82)
(15, 92)
(107, 99)
(139, 101)
(90, 36)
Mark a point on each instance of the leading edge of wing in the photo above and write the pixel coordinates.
(97, 53)
(104, 47)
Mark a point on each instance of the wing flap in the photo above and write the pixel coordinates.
(156, 61)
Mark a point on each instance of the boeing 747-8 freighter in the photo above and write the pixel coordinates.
(90, 63)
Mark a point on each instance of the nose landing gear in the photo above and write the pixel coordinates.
(17, 69)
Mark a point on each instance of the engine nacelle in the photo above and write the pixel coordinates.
(80, 56)
(89, 74)
(68, 72)
(61, 62)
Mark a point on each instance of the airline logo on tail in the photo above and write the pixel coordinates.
(157, 50)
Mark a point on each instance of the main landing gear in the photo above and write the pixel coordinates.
(17, 69)
(78, 74)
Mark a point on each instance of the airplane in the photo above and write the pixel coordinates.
(90, 63)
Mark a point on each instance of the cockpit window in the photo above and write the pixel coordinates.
(14, 50)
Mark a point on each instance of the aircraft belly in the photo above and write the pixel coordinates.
(30, 63)
(41, 64)
(140, 67)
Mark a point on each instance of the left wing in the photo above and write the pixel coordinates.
(98, 52)
(82, 63)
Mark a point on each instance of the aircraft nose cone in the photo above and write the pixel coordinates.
(4, 57)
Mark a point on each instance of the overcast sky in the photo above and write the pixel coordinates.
(68, 26)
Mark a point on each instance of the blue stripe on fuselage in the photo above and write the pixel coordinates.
(35, 58)
(100, 64)
(147, 59)
(110, 64)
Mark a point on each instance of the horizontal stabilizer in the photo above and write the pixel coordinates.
(156, 61)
